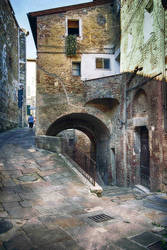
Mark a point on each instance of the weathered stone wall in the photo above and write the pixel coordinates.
(165, 13)
(143, 108)
(8, 67)
(54, 95)
(22, 75)
(143, 36)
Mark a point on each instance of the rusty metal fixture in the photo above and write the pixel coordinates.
(164, 4)
(87, 166)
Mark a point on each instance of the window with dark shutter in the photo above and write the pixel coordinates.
(73, 27)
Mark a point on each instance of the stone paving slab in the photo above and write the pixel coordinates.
(129, 245)
(42, 237)
(19, 242)
(9, 196)
(52, 213)
(146, 239)
(156, 206)
(21, 213)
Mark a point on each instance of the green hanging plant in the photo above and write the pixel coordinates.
(71, 45)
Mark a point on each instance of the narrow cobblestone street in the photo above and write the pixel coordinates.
(44, 205)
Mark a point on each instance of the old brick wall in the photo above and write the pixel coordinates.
(8, 67)
(145, 108)
(142, 36)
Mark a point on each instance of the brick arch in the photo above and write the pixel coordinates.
(140, 104)
(93, 127)
(97, 132)
(103, 104)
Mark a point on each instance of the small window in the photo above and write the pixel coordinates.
(73, 27)
(76, 68)
(102, 63)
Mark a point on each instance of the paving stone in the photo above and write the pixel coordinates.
(42, 237)
(46, 210)
(62, 221)
(47, 172)
(156, 206)
(67, 244)
(10, 204)
(158, 199)
(18, 242)
(5, 226)
(52, 178)
(29, 170)
(3, 214)
(28, 178)
(1, 208)
(29, 196)
(21, 213)
(128, 245)
(12, 173)
(8, 183)
(31, 203)
(146, 238)
(33, 224)
(9, 196)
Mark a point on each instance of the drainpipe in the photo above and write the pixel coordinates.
(125, 124)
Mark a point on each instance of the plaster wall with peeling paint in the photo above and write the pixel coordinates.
(143, 35)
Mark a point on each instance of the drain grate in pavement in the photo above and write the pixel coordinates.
(160, 245)
(100, 218)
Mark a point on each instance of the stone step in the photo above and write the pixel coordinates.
(115, 191)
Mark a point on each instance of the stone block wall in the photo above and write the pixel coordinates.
(64, 93)
(8, 67)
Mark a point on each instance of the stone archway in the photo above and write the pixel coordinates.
(140, 104)
(97, 132)
(141, 137)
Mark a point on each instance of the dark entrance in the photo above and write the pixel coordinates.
(144, 157)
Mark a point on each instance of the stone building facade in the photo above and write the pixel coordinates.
(144, 50)
(31, 87)
(123, 114)
(10, 52)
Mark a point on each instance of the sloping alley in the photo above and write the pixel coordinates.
(44, 205)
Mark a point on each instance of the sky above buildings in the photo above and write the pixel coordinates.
(22, 7)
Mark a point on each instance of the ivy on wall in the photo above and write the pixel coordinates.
(71, 45)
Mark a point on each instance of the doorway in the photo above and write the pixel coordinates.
(144, 157)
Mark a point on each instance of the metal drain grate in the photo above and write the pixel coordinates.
(100, 218)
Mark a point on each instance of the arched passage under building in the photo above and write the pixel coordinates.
(98, 134)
